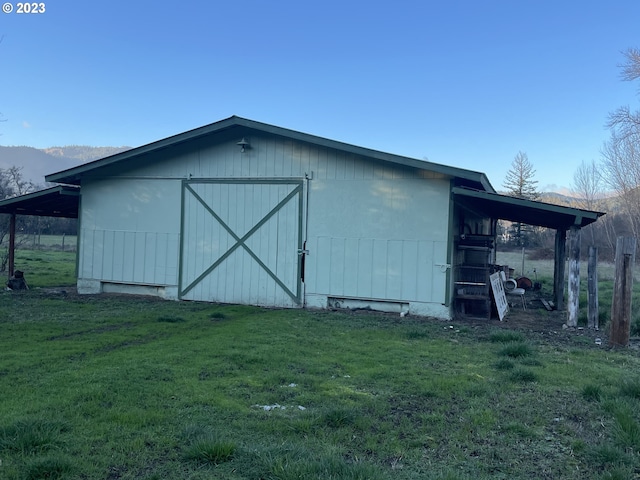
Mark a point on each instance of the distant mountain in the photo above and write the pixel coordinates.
(609, 202)
(84, 153)
(36, 163)
(558, 198)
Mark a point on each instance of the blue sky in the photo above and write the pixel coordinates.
(463, 83)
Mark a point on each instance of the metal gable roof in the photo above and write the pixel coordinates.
(60, 201)
(494, 205)
(73, 176)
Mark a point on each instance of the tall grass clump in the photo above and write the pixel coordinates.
(592, 393)
(48, 468)
(506, 337)
(289, 462)
(626, 431)
(29, 436)
(607, 455)
(209, 449)
(523, 375)
(516, 350)
(504, 364)
(631, 389)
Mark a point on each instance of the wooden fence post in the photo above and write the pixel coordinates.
(558, 268)
(12, 244)
(574, 276)
(593, 320)
(622, 285)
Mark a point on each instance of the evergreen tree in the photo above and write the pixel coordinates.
(519, 182)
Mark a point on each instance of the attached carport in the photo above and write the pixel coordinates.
(560, 218)
(59, 201)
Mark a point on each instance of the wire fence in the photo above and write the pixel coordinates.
(67, 243)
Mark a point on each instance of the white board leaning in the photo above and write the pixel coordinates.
(498, 295)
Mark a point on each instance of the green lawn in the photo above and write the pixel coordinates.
(118, 387)
(47, 268)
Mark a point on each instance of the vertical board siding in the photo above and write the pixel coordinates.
(379, 269)
(364, 269)
(128, 257)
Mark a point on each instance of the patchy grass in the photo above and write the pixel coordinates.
(116, 387)
(298, 394)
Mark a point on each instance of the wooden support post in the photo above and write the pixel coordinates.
(622, 285)
(593, 320)
(12, 244)
(574, 277)
(558, 268)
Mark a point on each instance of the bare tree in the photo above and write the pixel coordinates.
(621, 169)
(624, 122)
(621, 154)
(11, 185)
(589, 191)
(587, 185)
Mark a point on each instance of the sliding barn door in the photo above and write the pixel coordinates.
(241, 241)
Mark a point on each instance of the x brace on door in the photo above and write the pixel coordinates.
(240, 241)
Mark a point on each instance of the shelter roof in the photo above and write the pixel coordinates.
(494, 205)
(58, 201)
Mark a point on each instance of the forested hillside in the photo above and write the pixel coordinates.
(36, 163)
